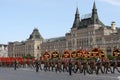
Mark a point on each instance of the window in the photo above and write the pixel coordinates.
(38, 47)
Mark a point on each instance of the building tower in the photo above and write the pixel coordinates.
(76, 20)
(95, 19)
(33, 44)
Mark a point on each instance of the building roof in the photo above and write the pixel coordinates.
(76, 20)
(35, 34)
(56, 39)
(3, 45)
(93, 19)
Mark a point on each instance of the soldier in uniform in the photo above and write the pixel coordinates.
(15, 65)
(92, 66)
(79, 66)
(53, 65)
(73, 65)
(99, 66)
(104, 63)
(58, 66)
(65, 65)
(45, 66)
(115, 66)
(70, 67)
(37, 65)
(40, 64)
(108, 66)
(85, 67)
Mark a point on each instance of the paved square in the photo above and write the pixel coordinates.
(30, 74)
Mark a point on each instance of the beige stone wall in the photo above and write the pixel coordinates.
(37, 48)
(53, 45)
(30, 47)
(92, 36)
(85, 38)
(11, 49)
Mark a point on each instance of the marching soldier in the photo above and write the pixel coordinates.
(58, 68)
(85, 67)
(37, 65)
(104, 63)
(108, 66)
(53, 65)
(70, 67)
(45, 66)
(65, 65)
(115, 66)
(49, 65)
(15, 65)
(99, 66)
(78, 66)
(92, 66)
(73, 65)
(40, 64)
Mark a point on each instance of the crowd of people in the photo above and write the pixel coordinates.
(93, 66)
(85, 66)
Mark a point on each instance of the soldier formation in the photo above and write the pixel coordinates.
(80, 61)
(94, 62)
(82, 66)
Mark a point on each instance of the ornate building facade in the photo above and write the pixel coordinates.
(30, 46)
(52, 44)
(91, 32)
(88, 33)
(85, 33)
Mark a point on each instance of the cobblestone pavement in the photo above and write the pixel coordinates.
(30, 74)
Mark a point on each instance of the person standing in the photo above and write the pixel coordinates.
(15, 65)
(70, 67)
(36, 65)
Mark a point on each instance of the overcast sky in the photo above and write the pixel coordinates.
(53, 18)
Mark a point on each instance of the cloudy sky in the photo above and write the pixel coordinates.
(112, 2)
(53, 18)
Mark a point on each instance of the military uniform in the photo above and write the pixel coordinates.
(70, 67)
(78, 66)
(58, 68)
(85, 67)
(92, 64)
(45, 65)
(115, 66)
(15, 65)
(53, 65)
(99, 67)
(40, 62)
(37, 65)
(108, 66)
(65, 66)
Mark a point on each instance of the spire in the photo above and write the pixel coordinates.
(77, 19)
(94, 5)
(95, 18)
(77, 12)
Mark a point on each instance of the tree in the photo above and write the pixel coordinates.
(28, 56)
(109, 56)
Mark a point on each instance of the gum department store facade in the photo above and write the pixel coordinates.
(85, 33)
